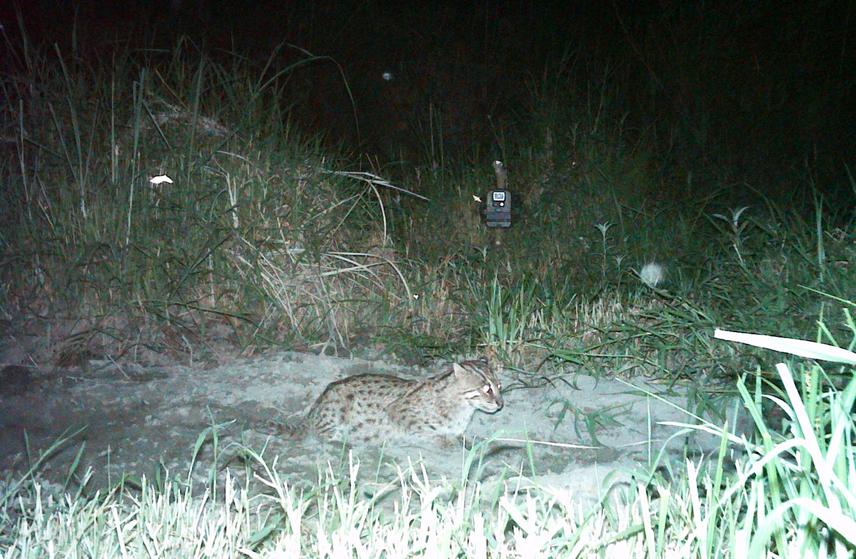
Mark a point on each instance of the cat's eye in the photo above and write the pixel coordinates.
(486, 389)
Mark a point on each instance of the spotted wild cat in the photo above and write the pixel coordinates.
(376, 409)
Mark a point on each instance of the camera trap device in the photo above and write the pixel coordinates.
(498, 208)
(497, 211)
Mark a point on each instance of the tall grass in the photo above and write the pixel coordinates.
(258, 237)
(264, 238)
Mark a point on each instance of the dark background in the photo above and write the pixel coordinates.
(763, 91)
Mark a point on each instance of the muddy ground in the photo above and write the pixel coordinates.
(572, 431)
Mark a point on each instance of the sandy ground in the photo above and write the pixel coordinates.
(572, 433)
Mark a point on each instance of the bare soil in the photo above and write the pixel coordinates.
(572, 431)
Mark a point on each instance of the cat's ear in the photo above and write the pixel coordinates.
(457, 369)
(492, 359)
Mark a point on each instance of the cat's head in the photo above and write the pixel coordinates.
(479, 385)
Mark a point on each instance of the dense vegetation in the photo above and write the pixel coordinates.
(312, 208)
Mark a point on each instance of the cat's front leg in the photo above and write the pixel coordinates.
(449, 442)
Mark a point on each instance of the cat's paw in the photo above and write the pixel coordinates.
(450, 442)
